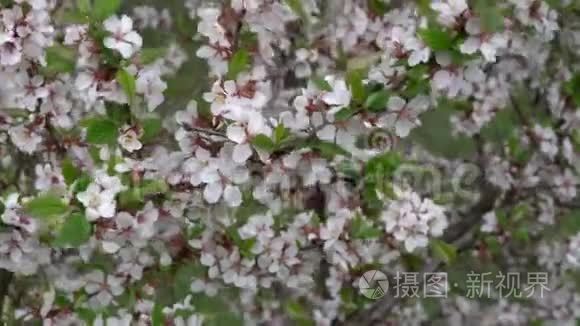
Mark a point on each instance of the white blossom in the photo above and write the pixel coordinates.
(122, 39)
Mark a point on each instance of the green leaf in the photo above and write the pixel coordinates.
(151, 129)
(572, 88)
(239, 62)
(493, 244)
(432, 307)
(103, 9)
(444, 251)
(153, 187)
(73, 17)
(354, 80)
(522, 234)
(75, 232)
(378, 7)
(223, 319)
(84, 6)
(413, 262)
(327, 149)
(87, 315)
(363, 62)
(377, 101)
(378, 174)
(424, 8)
(281, 133)
(520, 212)
(322, 84)
(418, 73)
(157, 316)
(151, 55)
(46, 206)
(102, 132)
(382, 167)
(570, 223)
(501, 127)
(437, 137)
(82, 183)
(248, 39)
(245, 245)
(298, 313)
(298, 9)
(207, 305)
(436, 38)
(345, 114)
(263, 142)
(361, 229)
(69, 171)
(127, 82)
(490, 16)
(576, 139)
(119, 114)
(132, 198)
(60, 59)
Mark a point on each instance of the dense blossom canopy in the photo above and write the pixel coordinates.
(246, 161)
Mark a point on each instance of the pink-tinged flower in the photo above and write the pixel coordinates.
(123, 39)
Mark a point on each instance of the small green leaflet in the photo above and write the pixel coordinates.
(46, 206)
(84, 6)
(60, 59)
(75, 232)
(151, 129)
(377, 101)
(298, 9)
(157, 316)
(238, 63)
(82, 183)
(263, 142)
(570, 223)
(69, 171)
(354, 79)
(378, 7)
(103, 9)
(572, 88)
(361, 229)
(490, 16)
(444, 251)
(345, 114)
(127, 82)
(298, 313)
(119, 113)
(281, 133)
(154, 187)
(322, 84)
(101, 131)
(436, 38)
(327, 149)
(150, 55)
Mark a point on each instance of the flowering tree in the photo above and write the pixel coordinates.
(248, 161)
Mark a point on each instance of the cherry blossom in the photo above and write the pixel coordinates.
(411, 219)
(403, 116)
(123, 39)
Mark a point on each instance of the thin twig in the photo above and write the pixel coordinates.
(209, 132)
